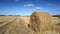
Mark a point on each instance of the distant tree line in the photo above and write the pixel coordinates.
(56, 16)
(9, 15)
(2, 15)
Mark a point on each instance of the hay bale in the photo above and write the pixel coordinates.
(41, 21)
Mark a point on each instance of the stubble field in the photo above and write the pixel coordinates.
(19, 25)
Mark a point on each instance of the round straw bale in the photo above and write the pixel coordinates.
(41, 21)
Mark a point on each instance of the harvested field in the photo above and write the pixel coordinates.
(37, 23)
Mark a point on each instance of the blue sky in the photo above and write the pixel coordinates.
(26, 7)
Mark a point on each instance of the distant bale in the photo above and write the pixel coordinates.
(41, 21)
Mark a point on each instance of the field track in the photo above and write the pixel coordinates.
(14, 26)
(3, 26)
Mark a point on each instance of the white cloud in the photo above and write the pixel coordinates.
(29, 5)
(38, 8)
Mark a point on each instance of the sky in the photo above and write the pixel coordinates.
(27, 7)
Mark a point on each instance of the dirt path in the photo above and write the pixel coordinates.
(17, 27)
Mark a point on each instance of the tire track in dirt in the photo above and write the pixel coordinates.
(3, 26)
(15, 26)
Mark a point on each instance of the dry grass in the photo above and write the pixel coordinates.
(5, 18)
(26, 19)
(14, 25)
